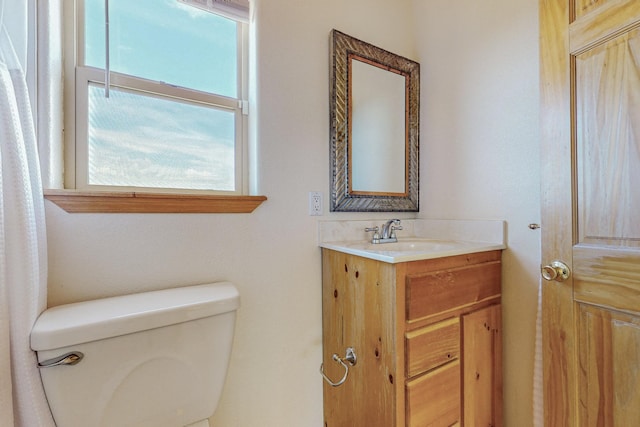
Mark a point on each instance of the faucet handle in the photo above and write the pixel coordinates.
(376, 235)
(393, 231)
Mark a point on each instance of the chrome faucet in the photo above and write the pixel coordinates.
(388, 229)
(388, 232)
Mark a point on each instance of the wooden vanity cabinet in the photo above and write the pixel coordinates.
(427, 337)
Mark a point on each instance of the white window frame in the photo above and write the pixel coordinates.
(76, 82)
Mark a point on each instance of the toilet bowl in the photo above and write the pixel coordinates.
(156, 359)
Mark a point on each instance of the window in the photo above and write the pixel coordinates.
(158, 97)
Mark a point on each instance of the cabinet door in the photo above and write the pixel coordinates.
(482, 367)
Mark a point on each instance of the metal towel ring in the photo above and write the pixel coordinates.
(350, 357)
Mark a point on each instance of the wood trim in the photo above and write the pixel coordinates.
(558, 341)
(416, 268)
(74, 201)
(457, 312)
(400, 397)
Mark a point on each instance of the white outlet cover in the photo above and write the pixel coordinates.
(315, 203)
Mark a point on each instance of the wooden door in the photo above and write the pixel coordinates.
(590, 116)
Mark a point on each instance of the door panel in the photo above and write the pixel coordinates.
(582, 7)
(608, 142)
(604, 21)
(607, 277)
(590, 128)
(609, 353)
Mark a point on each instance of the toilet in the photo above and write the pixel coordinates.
(156, 359)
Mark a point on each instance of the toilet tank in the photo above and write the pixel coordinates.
(156, 359)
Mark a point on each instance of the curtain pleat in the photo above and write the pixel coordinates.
(23, 256)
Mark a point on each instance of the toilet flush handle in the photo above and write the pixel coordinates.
(66, 359)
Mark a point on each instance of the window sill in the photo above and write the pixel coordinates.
(74, 201)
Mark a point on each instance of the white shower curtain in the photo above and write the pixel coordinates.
(23, 258)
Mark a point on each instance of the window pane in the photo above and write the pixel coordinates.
(137, 140)
(166, 41)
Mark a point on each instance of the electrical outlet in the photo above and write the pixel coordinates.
(315, 203)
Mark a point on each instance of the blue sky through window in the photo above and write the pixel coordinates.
(164, 40)
(144, 141)
(138, 139)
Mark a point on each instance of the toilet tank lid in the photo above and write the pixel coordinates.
(87, 321)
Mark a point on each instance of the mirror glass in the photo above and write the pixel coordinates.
(374, 128)
(376, 167)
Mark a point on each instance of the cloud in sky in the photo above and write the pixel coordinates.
(138, 140)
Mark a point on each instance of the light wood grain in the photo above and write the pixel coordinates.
(589, 128)
(583, 7)
(603, 23)
(608, 151)
(73, 201)
(608, 278)
(359, 312)
(439, 291)
(432, 346)
(558, 343)
(453, 262)
(434, 399)
(482, 362)
(609, 361)
(364, 306)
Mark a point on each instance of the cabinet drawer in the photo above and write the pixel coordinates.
(434, 399)
(444, 290)
(430, 347)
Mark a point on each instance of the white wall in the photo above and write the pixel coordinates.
(479, 160)
(272, 254)
(480, 150)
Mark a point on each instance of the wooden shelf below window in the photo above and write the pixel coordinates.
(131, 202)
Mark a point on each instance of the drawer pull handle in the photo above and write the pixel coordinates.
(350, 358)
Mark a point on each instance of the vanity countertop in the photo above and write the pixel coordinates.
(420, 239)
(411, 249)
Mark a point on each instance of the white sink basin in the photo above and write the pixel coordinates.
(410, 249)
(406, 245)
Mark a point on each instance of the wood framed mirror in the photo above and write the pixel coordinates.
(374, 115)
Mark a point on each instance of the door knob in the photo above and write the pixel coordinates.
(557, 270)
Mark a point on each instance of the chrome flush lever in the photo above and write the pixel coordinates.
(66, 359)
